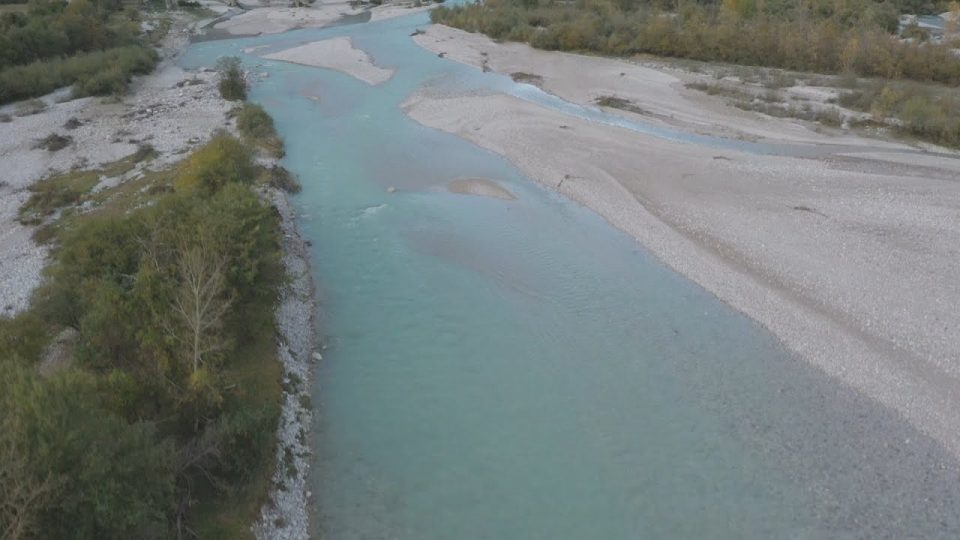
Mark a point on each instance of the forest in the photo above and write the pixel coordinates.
(94, 45)
(824, 36)
(141, 389)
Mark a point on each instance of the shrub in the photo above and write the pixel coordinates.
(280, 178)
(923, 117)
(96, 73)
(257, 128)
(110, 81)
(88, 474)
(54, 142)
(221, 161)
(233, 84)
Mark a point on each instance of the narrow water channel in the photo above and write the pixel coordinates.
(519, 369)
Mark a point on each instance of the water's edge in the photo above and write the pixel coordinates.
(286, 506)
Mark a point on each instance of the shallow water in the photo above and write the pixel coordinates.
(520, 369)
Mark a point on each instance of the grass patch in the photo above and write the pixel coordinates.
(720, 89)
(927, 112)
(51, 194)
(72, 188)
(14, 8)
(828, 117)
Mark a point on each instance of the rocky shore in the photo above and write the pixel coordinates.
(285, 515)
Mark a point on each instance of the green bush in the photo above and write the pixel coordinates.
(233, 85)
(75, 470)
(50, 30)
(110, 81)
(221, 161)
(257, 128)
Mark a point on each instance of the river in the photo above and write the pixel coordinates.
(519, 369)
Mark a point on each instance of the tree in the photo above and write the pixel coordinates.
(23, 496)
(202, 299)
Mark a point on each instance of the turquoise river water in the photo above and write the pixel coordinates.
(522, 370)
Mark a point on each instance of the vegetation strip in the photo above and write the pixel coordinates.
(94, 45)
(148, 377)
(906, 83)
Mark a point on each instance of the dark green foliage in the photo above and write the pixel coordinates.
(123, 439)
(97, 475)
(828, 36)
(89, 44)
(249, 432)
(233, 84)
(23, 338)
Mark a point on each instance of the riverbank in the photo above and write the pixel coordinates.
(848, 257)
(170, 110)
(285, 515)
(166, 116)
